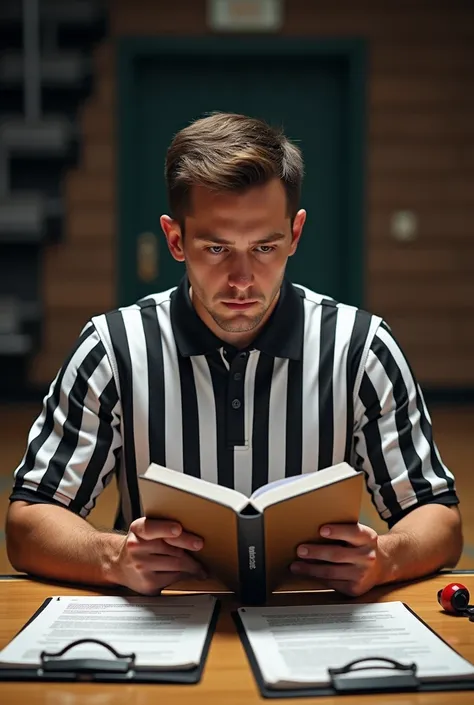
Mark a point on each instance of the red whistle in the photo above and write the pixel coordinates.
(454, 598)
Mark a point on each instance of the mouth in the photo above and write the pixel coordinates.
(239, 305)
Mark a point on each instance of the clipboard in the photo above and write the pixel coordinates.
(55, 668)
(403, 677)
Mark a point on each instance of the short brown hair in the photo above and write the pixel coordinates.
(230, 152)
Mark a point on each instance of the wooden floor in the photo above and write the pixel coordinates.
(454, 433)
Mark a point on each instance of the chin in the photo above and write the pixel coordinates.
(238, 325)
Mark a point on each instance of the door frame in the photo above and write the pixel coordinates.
(130, 50)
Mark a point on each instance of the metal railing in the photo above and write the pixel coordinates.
(31, 61)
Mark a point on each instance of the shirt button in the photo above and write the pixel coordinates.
(236, 404)
(243, 355)
(238, 376)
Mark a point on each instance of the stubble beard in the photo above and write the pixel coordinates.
(245, 325)
(233, 326)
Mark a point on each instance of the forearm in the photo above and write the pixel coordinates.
(52, 542)
(427, 539)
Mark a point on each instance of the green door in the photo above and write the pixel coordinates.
(308, 95)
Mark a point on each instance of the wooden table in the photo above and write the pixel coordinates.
(227, 676)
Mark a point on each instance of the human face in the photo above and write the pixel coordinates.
(236, 247)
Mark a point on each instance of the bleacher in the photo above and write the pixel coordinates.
(45, 74)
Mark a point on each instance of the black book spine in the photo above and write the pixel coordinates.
(252, 574)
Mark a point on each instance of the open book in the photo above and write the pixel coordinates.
(249, 543)
(292, 648)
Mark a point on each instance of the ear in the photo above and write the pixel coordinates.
(297, 230)
(174, 239)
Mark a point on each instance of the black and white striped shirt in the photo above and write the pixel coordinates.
(322, 383)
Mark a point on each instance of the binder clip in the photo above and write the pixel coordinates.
(87, 668)
(403, 676)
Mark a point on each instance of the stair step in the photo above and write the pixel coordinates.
(15, 313)
(15, 344)
(22, 217)
(51, 136)
(70, 12)
(54, 208)
(62, 69)
(37, 172)
(64, 100)
(10, 320)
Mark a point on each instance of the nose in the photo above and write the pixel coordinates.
(241, 275)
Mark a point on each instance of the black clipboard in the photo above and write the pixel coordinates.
(403, 677)
(54, 668)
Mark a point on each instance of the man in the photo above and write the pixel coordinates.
(236, 376)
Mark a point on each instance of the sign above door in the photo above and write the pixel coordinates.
(245, 15)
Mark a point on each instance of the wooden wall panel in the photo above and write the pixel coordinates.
(438, 223)
(89, 188)
(97, 261)
(99, 158)
(420, 89)
(406, 293)
(418, 261)
(412, 190)
(90, 224)
(427, 159)
(417, 125)
(420, 156)
(97, 122)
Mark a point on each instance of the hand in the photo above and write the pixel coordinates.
(155, 554)
(352, 569)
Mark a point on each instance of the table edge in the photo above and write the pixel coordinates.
(25, 578)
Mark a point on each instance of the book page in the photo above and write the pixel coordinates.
(164, 632)
(194, 485)
(297, 645)
(274, 484)
(281, 490)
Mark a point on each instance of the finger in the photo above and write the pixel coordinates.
(354, 534)
(154, 583)
(346, 587)
(327, 571)
(357, 555)
(154, 546)
(163, 564)
(150, 529)
(190, 542)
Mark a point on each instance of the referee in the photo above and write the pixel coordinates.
(237, 376)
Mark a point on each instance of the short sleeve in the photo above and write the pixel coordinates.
(393, 435)
(74, 443)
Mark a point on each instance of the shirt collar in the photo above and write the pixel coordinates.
(282, 335)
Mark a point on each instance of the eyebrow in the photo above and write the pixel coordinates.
(208, 237)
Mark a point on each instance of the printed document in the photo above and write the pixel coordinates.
(297, 645)
(166, 632)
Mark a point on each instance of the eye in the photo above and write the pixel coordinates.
(215, 249)
(265, 249)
